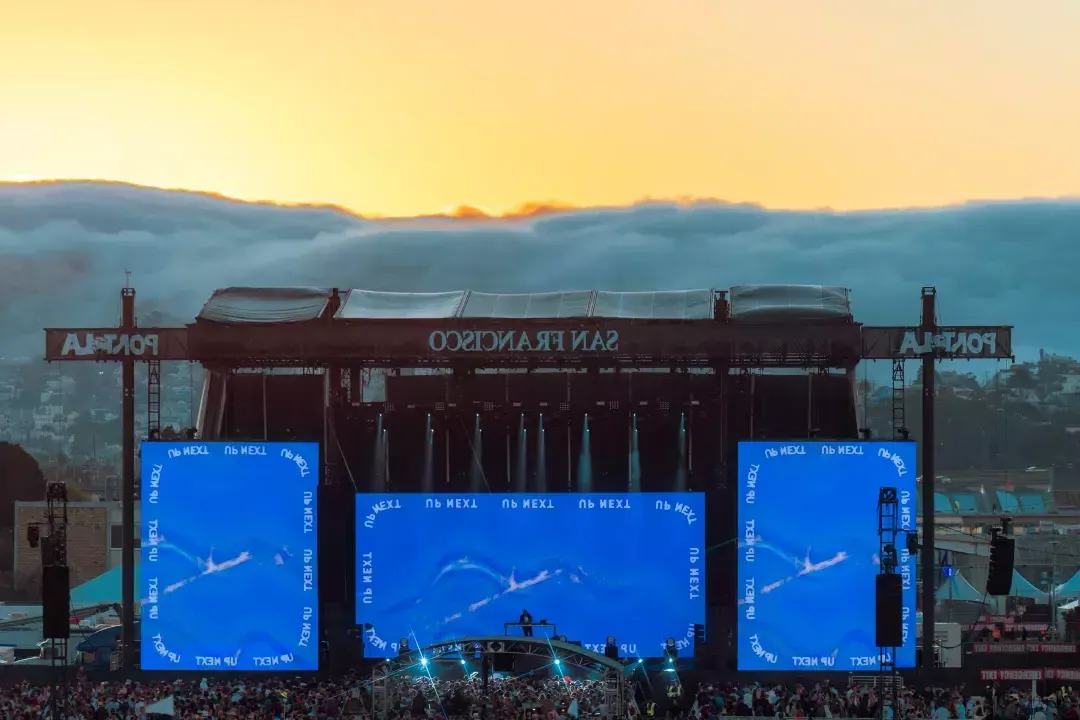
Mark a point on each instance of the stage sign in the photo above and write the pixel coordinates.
(435, 568)
(948, 343)
(112, 344)
(229, 556)
(808, 553)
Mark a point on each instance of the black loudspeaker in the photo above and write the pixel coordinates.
(890, 612)
(55, 602)
(337, 544)
(999, 575)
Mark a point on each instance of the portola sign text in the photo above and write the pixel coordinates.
(110, 345)
(524, 341)
(950, 343)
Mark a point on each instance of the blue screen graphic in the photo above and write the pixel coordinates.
(808, 552)
(229, 556)
(434, 568)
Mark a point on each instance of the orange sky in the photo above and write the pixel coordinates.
(413, 106)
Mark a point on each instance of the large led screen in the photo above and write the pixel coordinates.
(432, 568)
(229, 571)
(808, 552)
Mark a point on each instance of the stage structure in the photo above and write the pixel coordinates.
(558, 653)
(344, 336)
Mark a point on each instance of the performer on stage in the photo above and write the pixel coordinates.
(526, 623)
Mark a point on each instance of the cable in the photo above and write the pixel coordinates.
(191, 394)
(344, 460)
(866, 394)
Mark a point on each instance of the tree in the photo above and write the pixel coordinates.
(1021, 378)
(22, 481)
(91, 437)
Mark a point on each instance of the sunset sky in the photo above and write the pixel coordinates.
(403, 107)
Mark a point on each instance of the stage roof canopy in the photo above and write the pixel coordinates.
(265, 305)
(374, 305)
(749, 303)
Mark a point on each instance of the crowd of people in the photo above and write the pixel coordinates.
(208, 699)
(521, 698)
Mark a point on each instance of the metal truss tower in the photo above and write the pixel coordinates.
(888, 534)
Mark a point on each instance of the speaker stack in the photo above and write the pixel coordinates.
(55, 575)
(1002, 554)
(889, 629)
(56, 602)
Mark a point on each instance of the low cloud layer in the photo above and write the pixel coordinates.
(64, 248)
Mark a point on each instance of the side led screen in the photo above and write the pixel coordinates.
(808, 552)
(229, 556)
(435, 568)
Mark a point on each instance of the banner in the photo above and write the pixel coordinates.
(652, 343)
(112, 344)
(1022, 647)
(1031, 674)
(948, 343)
(405, 343)
(1019, 675)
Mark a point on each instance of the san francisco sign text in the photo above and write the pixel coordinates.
(524, 341)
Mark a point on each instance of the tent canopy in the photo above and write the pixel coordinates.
(1070, 588)
(957, 587)
(102, 590)
(1022, 588)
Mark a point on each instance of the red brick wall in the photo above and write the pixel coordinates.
(87, 544)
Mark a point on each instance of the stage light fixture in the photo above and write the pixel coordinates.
(56, 491)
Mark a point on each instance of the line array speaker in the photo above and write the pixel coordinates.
(999, 576)
(890, 609)
(56, 602)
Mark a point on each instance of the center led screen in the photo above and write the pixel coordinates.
(808, 552)
(229, 557)
(433, 568)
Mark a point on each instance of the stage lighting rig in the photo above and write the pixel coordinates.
(611, 649)
(912, 542)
